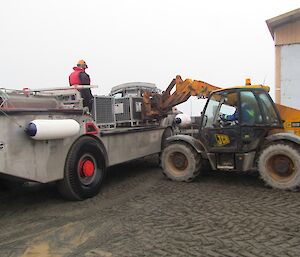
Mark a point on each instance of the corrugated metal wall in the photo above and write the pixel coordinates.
(288, 34)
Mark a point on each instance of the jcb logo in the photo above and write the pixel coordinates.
(2, 146)
(222, 139)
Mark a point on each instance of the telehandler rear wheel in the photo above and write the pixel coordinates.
(180, 162)
(84, 170)
(279, 166)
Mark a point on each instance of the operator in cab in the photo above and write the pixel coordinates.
(248, 115)
(80, 77)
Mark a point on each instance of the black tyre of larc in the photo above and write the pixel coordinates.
(84, 170)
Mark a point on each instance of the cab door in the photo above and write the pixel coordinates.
(255, 127)
(221, 136)
(218, 134)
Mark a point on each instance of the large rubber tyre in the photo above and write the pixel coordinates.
(84, 170)
(180, 162)
(279, 166)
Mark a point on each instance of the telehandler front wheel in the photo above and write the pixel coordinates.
(84, 170)
(180, 162)
(279, 166)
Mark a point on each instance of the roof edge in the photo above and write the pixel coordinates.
(282, 19)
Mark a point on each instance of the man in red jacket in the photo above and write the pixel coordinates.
(80, 77)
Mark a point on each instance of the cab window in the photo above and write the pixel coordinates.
(221, 104)
(250, 112)
(211, 110)
(268, 110)
(229, 109)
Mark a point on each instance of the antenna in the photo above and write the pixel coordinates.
(264, 79)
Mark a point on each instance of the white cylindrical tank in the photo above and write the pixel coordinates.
(183, 120)
(52, 129)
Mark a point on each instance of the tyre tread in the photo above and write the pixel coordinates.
(293, 186)
(196, 157)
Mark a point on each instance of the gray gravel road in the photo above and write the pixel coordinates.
(140, 213)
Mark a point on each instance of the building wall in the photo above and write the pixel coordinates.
(278, 74)
(287, 64)
(287, 34)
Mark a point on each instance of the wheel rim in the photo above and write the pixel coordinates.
(87, 169)
(178, 161)
(281, 167)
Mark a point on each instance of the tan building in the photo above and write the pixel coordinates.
(285, 30)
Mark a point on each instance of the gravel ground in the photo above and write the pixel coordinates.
(140, 213)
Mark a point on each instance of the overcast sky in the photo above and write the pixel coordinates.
(220, 42)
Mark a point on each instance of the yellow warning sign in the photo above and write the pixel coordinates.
(222, 139)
